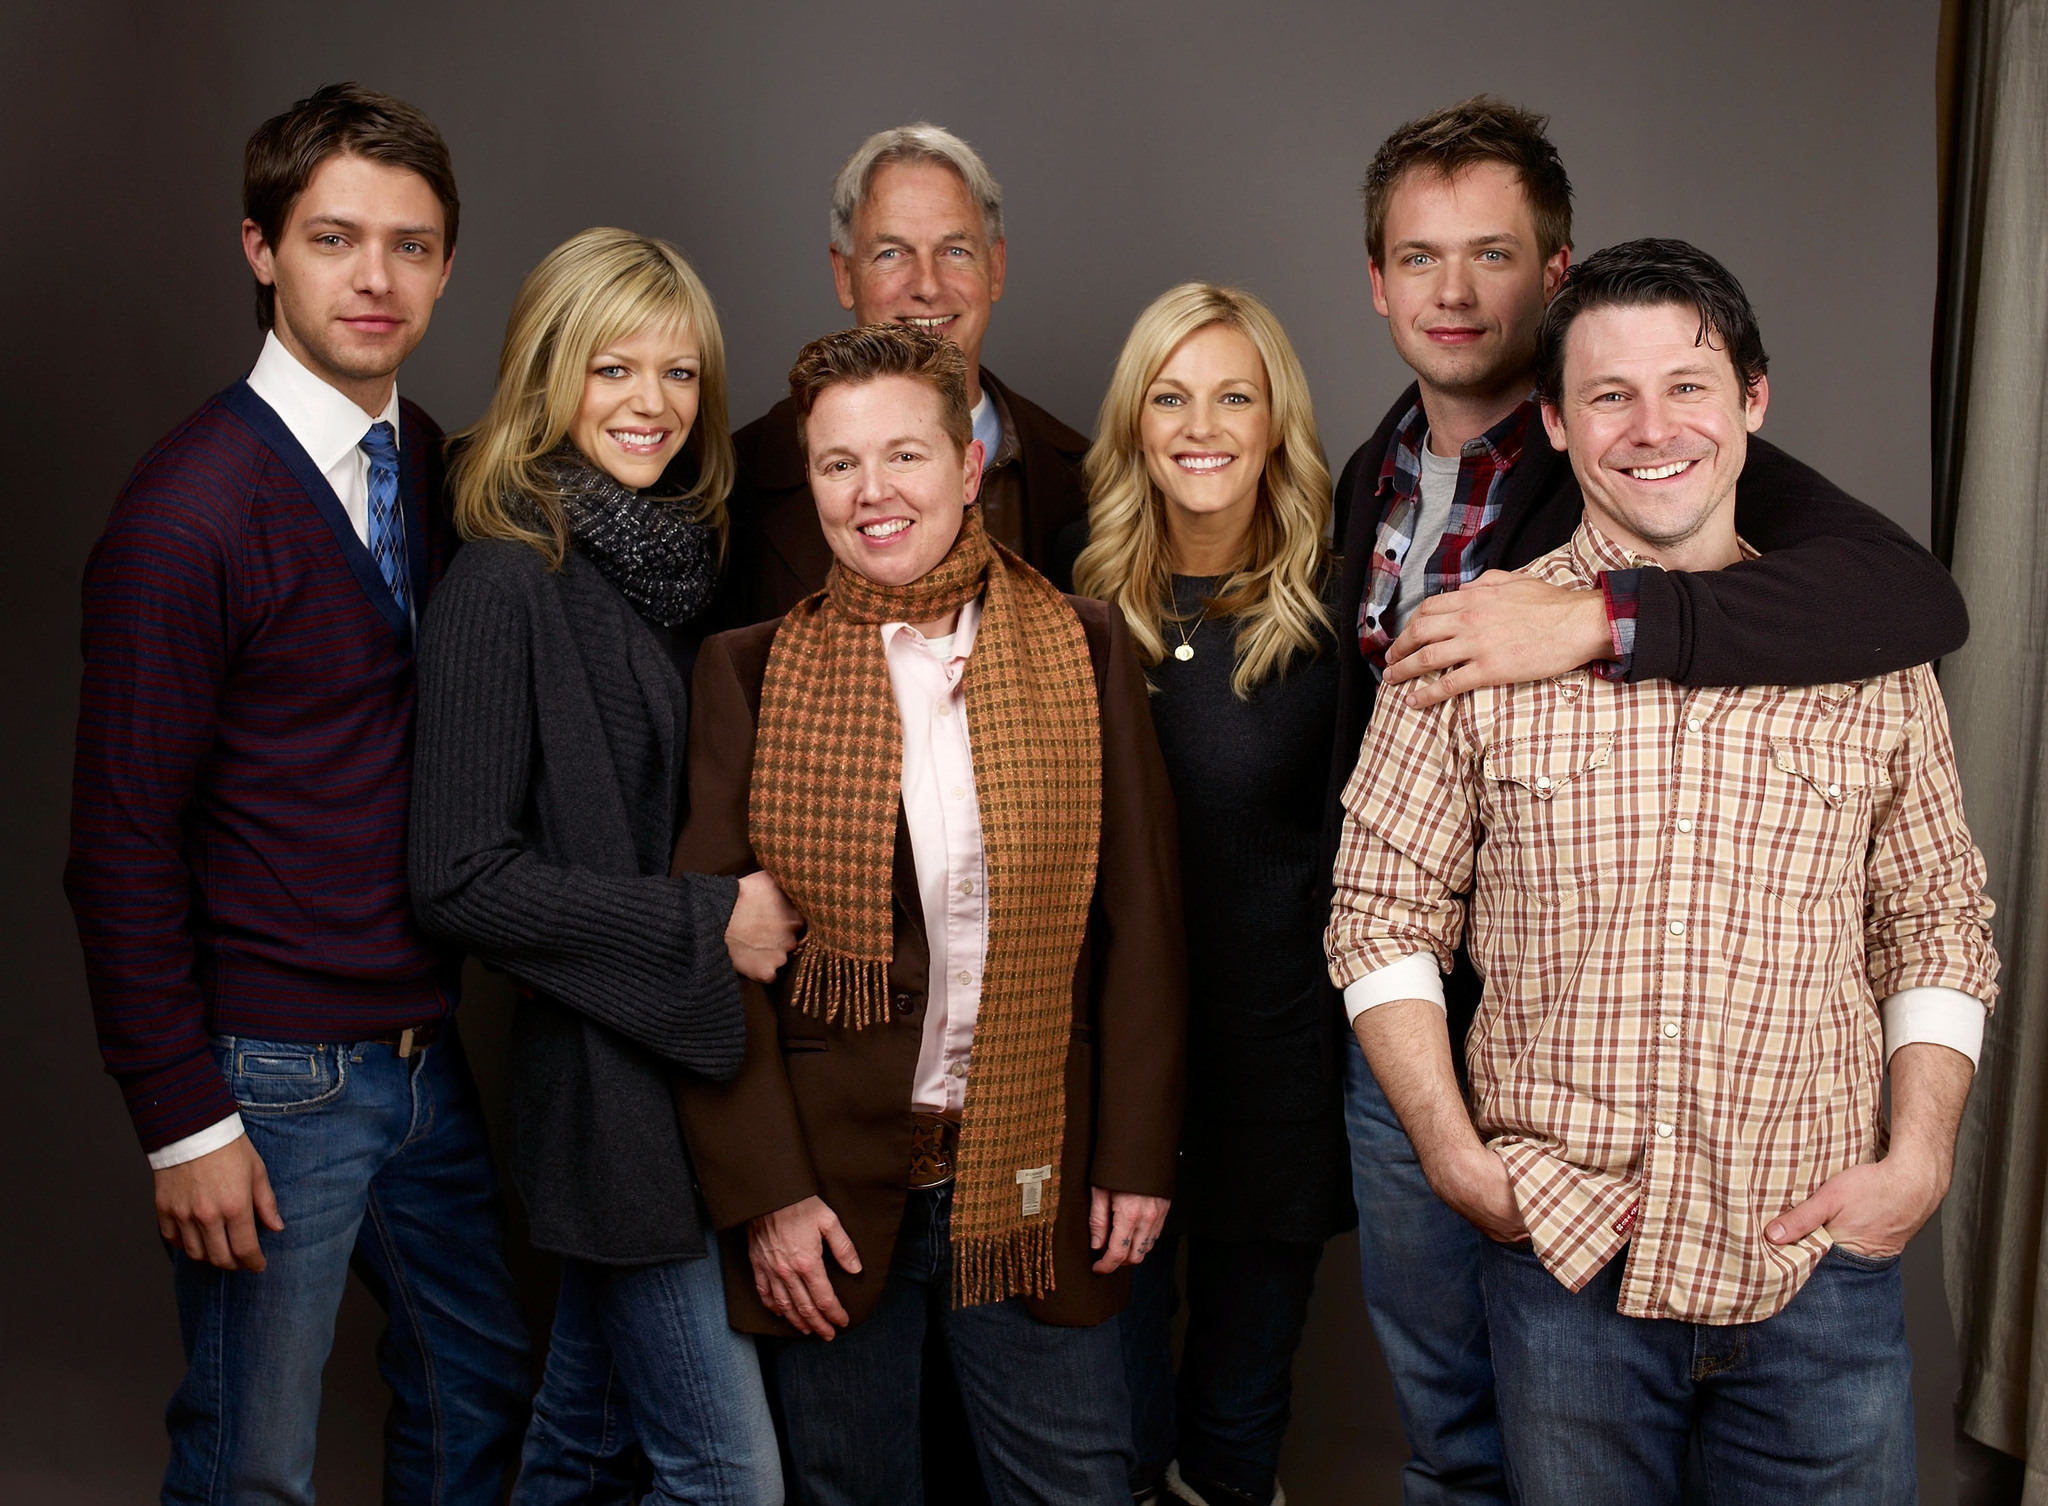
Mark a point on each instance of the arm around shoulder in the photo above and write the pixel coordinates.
(1840, 592)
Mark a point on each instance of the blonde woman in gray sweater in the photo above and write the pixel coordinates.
(548, 792)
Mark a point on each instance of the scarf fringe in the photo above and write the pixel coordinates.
(837, 989)
(1014, 1263)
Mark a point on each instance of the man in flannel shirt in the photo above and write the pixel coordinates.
(1709, 920)
(1468, 236)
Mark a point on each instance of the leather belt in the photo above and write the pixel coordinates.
(410, 1042)
(934, 1141)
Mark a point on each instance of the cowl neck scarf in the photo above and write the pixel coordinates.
(647, 546)
(827, 782)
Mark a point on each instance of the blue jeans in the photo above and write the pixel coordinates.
(1226, 1415)
(1812, 1406)
(1046, 1404)
(1421, 1264)
(643, 1360)
(381, 1164)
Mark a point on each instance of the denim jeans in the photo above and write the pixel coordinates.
(1046, 1404)
(1421, 1264)
(1226, 1415)
(379, 1164)
(1812, 1406)
(642, 1360)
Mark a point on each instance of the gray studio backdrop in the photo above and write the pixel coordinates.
(1137, 145)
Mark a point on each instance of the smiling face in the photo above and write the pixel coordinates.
(1657, 424)
(357, 269)
(1465, 282)
(921, 257)
(889, 481)
(639, 401)
(1207, 430)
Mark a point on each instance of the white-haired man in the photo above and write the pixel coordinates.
(917, 239)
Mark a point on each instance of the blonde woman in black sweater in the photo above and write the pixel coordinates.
(548, 792)
(1209, 506)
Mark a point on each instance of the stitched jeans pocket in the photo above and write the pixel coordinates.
(280, 1077)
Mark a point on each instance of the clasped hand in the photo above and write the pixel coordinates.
(764, 928)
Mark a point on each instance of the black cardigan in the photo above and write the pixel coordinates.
(1840, 593)
(548, 789)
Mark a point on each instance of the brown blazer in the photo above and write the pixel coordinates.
(777, 555)
(826, 1110)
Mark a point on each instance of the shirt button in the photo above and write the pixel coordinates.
(1684, 824)
(1542, 781)
(945, 708)
(1834, 792)
(1670, 1030)
(967, 886)
(958, 792)
(958, 1069)
(1692, 724)
(1677, 928)
(963, 978)
(1663, 1132)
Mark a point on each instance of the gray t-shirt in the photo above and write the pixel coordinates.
(1439, 486)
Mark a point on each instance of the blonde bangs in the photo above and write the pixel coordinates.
(596, 287)
(1275, 595)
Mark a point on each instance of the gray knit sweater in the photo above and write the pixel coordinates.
(548, 789)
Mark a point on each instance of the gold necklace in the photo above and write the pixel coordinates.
(1186, 651)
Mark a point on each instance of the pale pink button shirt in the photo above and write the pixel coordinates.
(944, 818)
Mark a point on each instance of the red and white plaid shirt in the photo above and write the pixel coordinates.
(1686, 905)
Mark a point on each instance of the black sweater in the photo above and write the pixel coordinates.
(548, 789)
(1263, 1151)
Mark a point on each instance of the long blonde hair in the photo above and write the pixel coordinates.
(594, 288)
(1275, 593)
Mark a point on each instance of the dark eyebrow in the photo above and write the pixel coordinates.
(338, 222)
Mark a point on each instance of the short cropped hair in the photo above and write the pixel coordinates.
(1448, 141)
(287, 149)
(869, 352)
(1644, 274)
(918, 142)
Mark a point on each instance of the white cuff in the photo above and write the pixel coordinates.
(192, 1147)
(1934, 1016)
(1413, 977)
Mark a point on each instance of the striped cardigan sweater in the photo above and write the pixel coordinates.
(243, 766)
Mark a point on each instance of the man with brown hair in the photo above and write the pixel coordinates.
(1468, 236)
(961, 1103)
(917, 240)
(279, 1025)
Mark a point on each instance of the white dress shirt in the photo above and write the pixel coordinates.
(329, 428)
(944, 817)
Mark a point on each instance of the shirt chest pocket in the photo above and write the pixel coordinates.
(1814, 832)
(1548, 799)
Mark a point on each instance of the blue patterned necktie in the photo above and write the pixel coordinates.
(387, 535)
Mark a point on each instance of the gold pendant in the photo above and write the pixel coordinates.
(1184, 653)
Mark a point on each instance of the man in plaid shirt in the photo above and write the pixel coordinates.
(1468, 220)
(1708, 921)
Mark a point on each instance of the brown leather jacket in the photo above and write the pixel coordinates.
(826, 1111)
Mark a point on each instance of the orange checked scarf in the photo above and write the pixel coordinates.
(828, 774)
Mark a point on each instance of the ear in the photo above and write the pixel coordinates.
(1553, 272)
(446, 267)
(262, 260)
(842, 277)
(1754, 402)
(998, 265)
(973, 458)
(1379, 287)
(1553, 425)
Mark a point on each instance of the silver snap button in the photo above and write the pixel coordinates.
(1677, 928)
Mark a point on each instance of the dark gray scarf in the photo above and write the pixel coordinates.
(645, 545)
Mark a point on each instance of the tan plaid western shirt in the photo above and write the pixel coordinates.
(1685, 905)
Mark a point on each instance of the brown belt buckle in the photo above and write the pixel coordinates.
(934, 1141)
